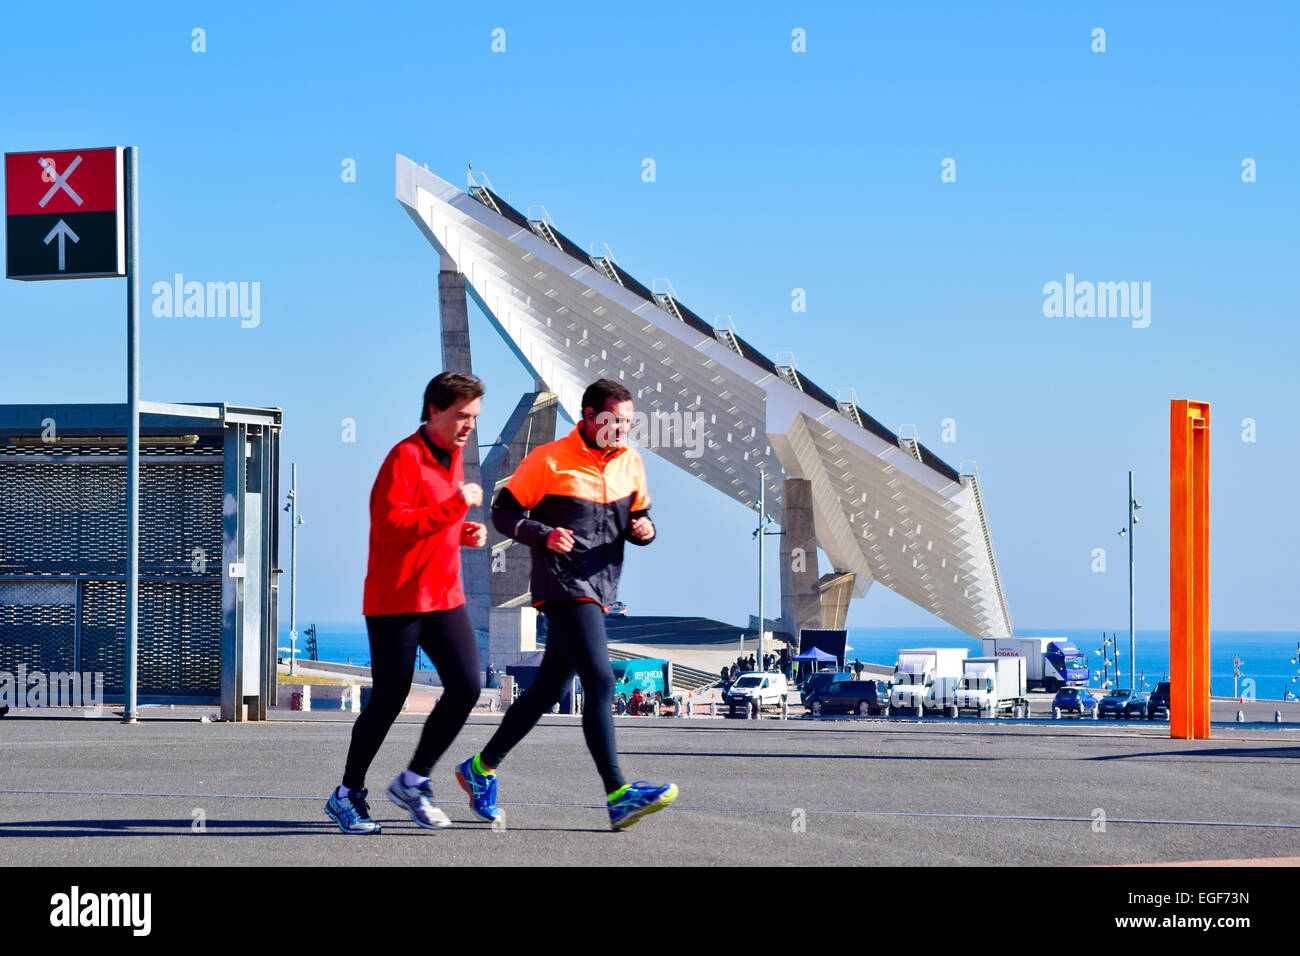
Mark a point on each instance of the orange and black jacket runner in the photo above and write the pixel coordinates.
(568, 484)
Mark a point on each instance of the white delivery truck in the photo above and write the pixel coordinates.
(925, 679)
(1051, 662)
(993, 685)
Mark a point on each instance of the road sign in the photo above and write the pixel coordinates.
(65, 214)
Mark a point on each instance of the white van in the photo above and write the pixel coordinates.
(770, 688)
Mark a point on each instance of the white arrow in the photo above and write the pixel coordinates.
(63, 232)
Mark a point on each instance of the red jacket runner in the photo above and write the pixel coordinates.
(417, 528)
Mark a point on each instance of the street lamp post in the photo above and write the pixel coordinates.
(1295, 660)
(1133, 508)
(760, 532)
(295, 519)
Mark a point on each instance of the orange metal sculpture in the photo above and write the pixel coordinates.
(1189, 569)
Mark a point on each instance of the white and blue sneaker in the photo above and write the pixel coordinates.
(419, 801)
(636, 800)
(351, 813)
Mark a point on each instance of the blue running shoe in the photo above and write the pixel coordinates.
(482, 790)
(351, 813)
(636, 800)
(419, 801)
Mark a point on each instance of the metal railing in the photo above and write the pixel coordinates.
(787, 369)
(910, 443)
(542, 224)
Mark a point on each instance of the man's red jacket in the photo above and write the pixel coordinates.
(417, 528)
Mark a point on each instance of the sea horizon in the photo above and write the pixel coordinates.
(1267, 671)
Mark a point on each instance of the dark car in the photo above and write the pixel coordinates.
(848, 697)
(1158, 702)
(1074, 700)
(821, 680)
(1121, 704)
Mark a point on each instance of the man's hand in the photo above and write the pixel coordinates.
(474, 535)
(642, 529)
(561, 540)
(472, 494)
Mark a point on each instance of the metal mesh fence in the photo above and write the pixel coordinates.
(178, 646)
(38, 626)
(63, 528)
(69, 517)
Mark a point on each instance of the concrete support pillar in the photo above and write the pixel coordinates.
(836, 591)
(514, 634)
(801, 604)
(453, 309)
(529, 426)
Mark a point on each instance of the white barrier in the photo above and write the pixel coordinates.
(305, 697)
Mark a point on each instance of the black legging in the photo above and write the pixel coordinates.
(575, 641)
(448, 638)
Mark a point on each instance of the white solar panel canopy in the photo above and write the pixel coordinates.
(884, 506)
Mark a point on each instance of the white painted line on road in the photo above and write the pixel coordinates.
(593, 806)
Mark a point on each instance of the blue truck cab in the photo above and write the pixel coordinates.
(1069, 664)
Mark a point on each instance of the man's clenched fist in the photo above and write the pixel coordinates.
(561, 539)
(642, 529)
(472, 494)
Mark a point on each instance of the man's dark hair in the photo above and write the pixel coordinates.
(446, 387)
(600, 391)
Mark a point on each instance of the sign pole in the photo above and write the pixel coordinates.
(130, 714)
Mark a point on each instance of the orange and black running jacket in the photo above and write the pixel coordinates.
(568, 484)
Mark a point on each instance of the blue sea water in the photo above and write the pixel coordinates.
(1267, 656)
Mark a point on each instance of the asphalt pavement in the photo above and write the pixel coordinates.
(175, 791)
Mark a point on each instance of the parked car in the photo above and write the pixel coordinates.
(848, 696)
(768, 687)
(1158, 702)
(1074, 700)
(617, 609)
(821, 680)
(1121, 704)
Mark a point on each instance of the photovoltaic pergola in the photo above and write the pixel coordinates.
(884, 506)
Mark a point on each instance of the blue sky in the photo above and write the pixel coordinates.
(775, 170)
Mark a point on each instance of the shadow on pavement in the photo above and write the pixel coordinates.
(799, 756)
(1291, 752)
(174, 827)
(232, 828)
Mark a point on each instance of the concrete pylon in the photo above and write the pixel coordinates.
(453, 310)
(529, 426)
(836, 589)
(801, 604)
